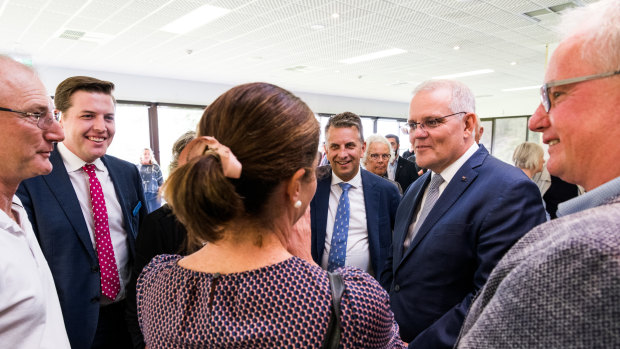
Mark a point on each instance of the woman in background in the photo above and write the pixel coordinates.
(243, 288)
(152, 179)
(530, 158)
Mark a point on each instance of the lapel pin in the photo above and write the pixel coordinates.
(463, 179)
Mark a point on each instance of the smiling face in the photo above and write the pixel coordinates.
(89, 125)
(25, 148)
(581, 126)
(344, 150)
(437, 148)
(378, 166)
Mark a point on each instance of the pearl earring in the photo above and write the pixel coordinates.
(297, 204)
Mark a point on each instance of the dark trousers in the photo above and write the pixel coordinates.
(112, 330)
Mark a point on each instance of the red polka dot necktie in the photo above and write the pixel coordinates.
(110, 284)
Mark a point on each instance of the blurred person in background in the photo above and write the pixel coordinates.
(377, 156)
(152, 179)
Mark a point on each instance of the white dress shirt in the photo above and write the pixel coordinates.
(358, 254)
(79, 180)
(30, 315)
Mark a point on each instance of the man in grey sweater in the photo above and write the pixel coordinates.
(559, 286)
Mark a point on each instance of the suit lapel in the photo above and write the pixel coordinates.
(457, 186)
(372, 198)
(322, 204)
(410, 207)
(60, 185)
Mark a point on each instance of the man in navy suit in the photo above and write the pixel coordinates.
(449, 234)
(401, 170)
(73, 238)
(373, 200)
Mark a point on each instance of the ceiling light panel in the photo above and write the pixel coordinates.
(195, 19)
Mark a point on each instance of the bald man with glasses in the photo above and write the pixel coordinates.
(30, 314)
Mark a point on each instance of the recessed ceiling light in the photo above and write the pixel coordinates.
(521, 88)
(468, 73)
(513, 63)
(317, 27)
(337, 71)
(374, 55)
(335, 15)
(195, 19)
(456, 47)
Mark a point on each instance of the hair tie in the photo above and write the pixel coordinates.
(203, 145)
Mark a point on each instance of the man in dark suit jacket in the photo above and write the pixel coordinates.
(373, 200)
(59, 206)
(443, 252)
(401, 170)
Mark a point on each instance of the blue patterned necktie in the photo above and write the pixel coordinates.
(338, 250)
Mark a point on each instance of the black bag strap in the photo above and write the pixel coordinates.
(332, 337)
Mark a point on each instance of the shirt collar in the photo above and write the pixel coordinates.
(448, 173)
(356, 182)
(595, 197)
(73, 162)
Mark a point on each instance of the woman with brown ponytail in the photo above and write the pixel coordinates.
(248, 177)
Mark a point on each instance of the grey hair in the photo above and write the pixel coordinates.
(376, 138)
(598, 26)
(462, 97)
(527, 154)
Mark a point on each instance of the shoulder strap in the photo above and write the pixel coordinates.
(332, 337)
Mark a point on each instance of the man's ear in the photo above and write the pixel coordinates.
(470, 123)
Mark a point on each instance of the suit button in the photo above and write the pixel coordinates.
(94, 268)
(94, 300)
(397, 288)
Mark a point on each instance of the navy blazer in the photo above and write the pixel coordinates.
(482, 212)
(58, 222)
(406, 173)
(381, 200)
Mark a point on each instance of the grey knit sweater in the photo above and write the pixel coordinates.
(558, 287)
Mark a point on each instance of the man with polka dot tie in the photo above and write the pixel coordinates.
(86, 214)
(352, 212)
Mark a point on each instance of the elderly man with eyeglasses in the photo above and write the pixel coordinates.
(377, 156)
(30, 315)
(455, 222)
(559, 286)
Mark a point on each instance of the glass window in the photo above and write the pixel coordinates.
(393, 126)
(132, 132)
(174, 122)
(368, 125)
(487, 134)
(509, 132)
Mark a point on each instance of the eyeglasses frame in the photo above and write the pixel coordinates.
(412, 126)
(41, 120)
(544, 89)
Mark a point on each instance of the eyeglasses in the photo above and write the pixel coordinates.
(427, 124)
(544, 89)
(376, 156)
(44, 120)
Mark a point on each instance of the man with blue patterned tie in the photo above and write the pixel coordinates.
(352, 212)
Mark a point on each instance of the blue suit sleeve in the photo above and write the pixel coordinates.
(516, 210)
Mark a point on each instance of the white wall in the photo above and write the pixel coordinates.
(152, 89)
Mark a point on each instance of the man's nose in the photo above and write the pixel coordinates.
(539, 120)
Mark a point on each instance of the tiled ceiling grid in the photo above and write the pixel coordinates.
(273, 40)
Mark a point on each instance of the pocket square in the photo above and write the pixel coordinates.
(137, 208)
